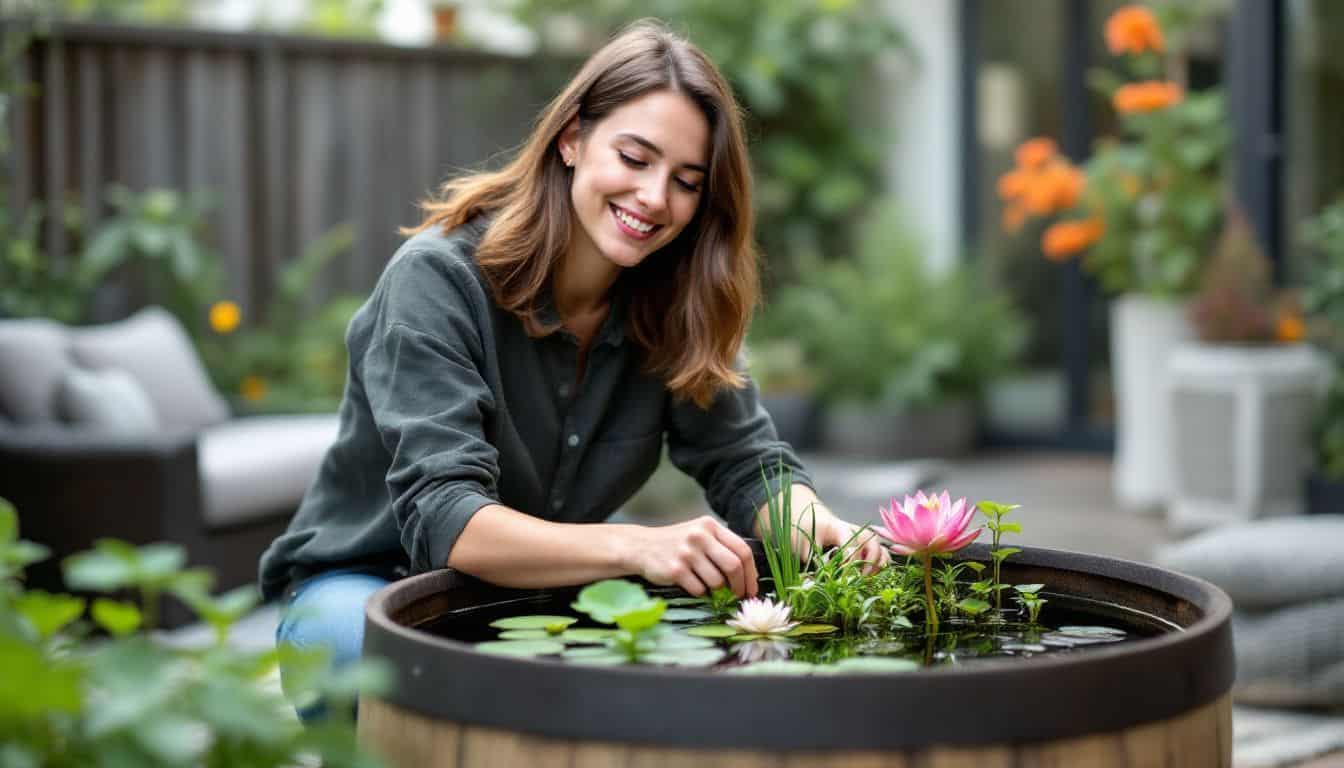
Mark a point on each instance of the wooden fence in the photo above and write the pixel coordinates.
(288, 136)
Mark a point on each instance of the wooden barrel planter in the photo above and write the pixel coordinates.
(1156, 701)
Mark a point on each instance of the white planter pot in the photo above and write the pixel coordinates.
(1143, 332)
(1240, 422)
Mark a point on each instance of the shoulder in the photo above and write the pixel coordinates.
(433, 280)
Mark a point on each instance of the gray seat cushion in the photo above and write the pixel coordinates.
(254, 467)
(33, 359)
(152, 347)
(1291, 657)
(1269, 563)
(108, 400)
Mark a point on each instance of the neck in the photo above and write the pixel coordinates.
(582, 283)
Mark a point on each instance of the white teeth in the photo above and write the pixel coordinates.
(633, 223)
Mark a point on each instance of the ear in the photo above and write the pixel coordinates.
(568, 142)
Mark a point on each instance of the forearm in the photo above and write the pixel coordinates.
(506, 547)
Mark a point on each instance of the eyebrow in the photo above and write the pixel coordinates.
(649, 145)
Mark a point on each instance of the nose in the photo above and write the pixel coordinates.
(652, 196)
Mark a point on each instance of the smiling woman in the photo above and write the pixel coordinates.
(530, 348)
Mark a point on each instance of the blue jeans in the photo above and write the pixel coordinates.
(327, 611)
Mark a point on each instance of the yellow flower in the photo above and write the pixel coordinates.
(224, 317)
(252, 388)
(1290, 328)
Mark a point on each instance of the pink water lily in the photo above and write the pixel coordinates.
(925, 526)
(928, 525)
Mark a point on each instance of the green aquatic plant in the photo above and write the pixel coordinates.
(994, 513)
(777, 539)
(1028, 596)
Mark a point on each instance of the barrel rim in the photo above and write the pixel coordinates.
(1070, 695)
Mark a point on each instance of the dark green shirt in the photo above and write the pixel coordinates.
(449, 406)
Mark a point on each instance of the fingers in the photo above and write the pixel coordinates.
(872, 552)
(741, 551)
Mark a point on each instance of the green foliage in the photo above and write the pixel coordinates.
(295, 358)
(1028, 596)
(831, 592)
(68, 697)
(1323, 294)
(777, 539)
(994, 513)
(805, 73)
(158, 235)
(885, 327)
(628, 606)
(1159, 190)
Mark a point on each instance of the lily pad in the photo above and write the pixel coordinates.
(587, 635)
(1091, 631)
(533, 622)
(686, 657)
(781, 667)
(685, 601)
(811, 629)
(673, 641)
(642, 617)
(602, 656)
(711, 630)
(686, 614)
(526, 634)
(522, 648)
(877, 664)
(607, 599)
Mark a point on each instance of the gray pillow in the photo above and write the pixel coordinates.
(1291, 657)
(33, 357)
(152, 346)
(1267, 563)
(108, 400)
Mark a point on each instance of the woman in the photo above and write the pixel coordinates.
(527, 351)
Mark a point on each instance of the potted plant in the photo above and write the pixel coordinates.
(1323, 299)
(1055, 657)
(1144, 209)
(1243, 395)
(899, 350)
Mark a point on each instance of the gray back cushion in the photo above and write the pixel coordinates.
(1265, 564)
(154, 349)
(33, 358)
(110, 400)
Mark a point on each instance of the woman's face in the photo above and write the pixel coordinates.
(638, 176)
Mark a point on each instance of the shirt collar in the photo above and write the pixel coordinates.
(613, 327)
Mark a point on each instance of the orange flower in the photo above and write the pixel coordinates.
(252, 388)
(1034, 153)
(1013, 184)
(1133, 29)
(1147, 96)
(1290, 328)
(224, 317)
(1067, 182)
(1067, 238)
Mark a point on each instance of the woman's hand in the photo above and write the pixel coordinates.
(810, 515)
(831, 531)
(699, 556)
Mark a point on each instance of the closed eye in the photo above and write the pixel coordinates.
(688, 186)
(630, 161)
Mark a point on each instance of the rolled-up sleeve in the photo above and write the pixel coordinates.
(733, 452)
(431, 407)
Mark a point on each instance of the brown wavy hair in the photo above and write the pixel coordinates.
(690, 302)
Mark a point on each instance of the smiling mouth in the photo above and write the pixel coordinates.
(632, 225)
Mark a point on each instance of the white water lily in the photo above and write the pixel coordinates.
(753, 651)
(762, 616)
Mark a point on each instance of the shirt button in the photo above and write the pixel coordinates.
(564, 390)
(557, 504)
(573, 441)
